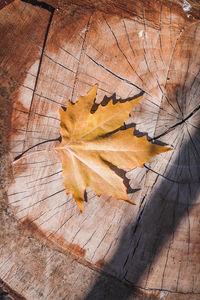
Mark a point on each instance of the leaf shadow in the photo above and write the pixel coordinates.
(121, 173)
(114, 99)
(137, 133)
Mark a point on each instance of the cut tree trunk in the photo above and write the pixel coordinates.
(54, 52)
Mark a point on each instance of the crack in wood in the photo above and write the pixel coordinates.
(167, 75)
(41, 4)
(177, 124)
(51, 10)
(41, 200)
(117, 76)
(148, 168)
(133, 253)
(161, 290)
(120, 49)
(59, 64)
(38, 144)
(48, 99)
(81, 53)
(6, 292)
(166, 261)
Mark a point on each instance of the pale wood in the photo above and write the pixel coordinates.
(153, 245)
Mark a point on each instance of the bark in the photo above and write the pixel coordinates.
(53, 52)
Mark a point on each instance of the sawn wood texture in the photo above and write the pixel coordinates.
(51, 56)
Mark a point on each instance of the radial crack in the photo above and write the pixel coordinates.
(177, 124)
(50, 140)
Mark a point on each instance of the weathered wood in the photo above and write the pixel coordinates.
(153, 245)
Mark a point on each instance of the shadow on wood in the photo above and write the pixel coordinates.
(156, 224)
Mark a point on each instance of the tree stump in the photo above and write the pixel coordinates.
(54, 52)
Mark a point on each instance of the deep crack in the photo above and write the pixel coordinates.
(175, 125)
(51, 140)
(40, 4)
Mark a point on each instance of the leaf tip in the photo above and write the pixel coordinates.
(130, 201)
(93, 91)
(79, 203)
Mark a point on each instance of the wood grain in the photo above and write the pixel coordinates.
(153, 245)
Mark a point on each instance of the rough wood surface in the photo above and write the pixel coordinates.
(50, 56)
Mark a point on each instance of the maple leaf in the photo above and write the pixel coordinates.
(91, 146)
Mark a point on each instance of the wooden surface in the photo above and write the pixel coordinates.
(48, 249)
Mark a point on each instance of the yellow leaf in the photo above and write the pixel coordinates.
(91, 149)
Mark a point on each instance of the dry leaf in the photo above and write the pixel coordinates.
(90, 152)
